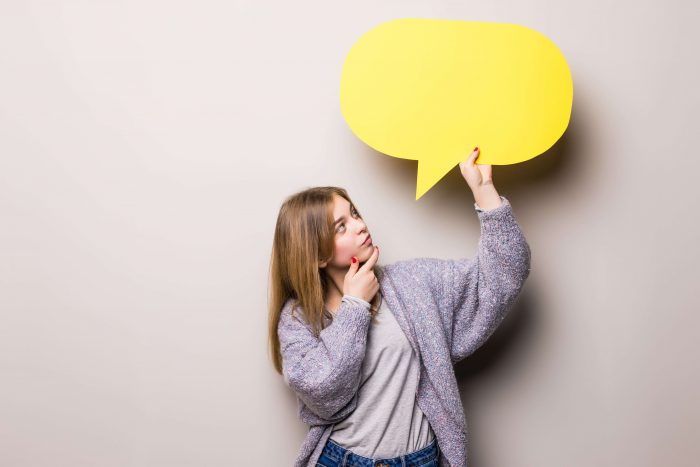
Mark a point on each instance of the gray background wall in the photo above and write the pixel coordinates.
(145, 148)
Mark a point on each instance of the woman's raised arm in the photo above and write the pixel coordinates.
(481, 290)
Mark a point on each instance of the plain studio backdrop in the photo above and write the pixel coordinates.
(145, 149)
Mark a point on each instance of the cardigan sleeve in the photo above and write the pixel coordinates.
(475, 294)
(324, 372)
(481, 290)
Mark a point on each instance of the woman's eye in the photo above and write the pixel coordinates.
(354, 213)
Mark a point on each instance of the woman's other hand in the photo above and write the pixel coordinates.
(476, 175)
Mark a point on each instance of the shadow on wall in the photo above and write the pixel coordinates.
(553, 168)
(515, 332)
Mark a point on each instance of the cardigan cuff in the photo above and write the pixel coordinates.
(478, 209)
(357, 300)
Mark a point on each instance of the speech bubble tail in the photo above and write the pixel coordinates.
(430, 172)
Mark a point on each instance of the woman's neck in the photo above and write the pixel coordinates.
(332, 301)
(333, 297)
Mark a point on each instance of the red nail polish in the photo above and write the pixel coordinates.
(476, 148)
(354, 260)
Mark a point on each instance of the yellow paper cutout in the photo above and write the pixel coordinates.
(431, 90)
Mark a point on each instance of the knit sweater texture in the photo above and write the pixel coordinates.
(446, 308)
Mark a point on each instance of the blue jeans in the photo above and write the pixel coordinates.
(334, 455)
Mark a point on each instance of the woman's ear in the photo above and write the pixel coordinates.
(322, 264)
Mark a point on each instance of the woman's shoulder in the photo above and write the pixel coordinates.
(292, 309)
(414, 267)
(293, 313)
(418, 276)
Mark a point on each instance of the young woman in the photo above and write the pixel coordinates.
(369, 350)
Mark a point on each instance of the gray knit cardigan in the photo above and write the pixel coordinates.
(446, 308)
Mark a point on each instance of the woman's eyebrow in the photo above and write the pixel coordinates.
(343, 217)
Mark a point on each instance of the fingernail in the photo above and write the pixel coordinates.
(354, 260)
(476, 148)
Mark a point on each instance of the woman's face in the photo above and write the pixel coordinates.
(350, 233)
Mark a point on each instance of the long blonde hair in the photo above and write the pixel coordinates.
(304, 235)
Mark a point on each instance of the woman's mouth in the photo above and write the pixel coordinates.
(368, 240)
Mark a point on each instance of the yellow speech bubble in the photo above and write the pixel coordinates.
(431, 90)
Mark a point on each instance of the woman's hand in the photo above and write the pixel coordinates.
(480, 180)
(361, 282)
(476, 175)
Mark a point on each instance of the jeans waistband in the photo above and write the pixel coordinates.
(345, 457)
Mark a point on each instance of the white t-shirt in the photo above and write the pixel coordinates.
(387, 421)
